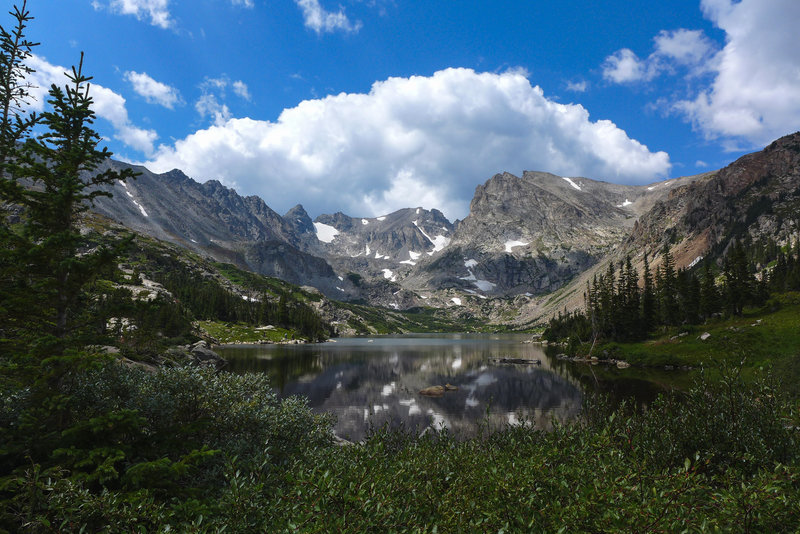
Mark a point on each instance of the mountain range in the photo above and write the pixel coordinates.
(527, 246)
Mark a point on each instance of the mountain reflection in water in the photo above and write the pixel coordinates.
(374, 381)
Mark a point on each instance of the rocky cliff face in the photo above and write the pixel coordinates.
(532, 234)
(757, 195)
(216, 221)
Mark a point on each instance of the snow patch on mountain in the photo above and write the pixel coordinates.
(573, 184)
(512, 244)
(439, 242)
(325, 232)
(128, 192)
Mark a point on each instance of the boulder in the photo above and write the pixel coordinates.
(203, 355)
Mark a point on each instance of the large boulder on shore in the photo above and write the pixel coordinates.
(203, 355)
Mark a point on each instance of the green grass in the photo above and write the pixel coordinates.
(765, 336)
(241, 333)
(384, 321)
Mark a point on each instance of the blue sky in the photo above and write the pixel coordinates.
(367, 106)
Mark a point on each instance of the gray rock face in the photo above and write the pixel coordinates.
(216, 221)
(533, 234)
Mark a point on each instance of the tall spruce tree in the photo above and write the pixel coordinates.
(62, 164)
(667, 289)
(649, 311)
(709, 295)
(629, 317)
(15, 127)
(738, 280)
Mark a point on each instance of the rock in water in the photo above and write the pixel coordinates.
(433, 391)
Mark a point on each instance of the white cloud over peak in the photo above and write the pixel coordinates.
(108, 105)
(156, 10)
(153, 91)
(409, 141)
(316, 18)
(755, 94)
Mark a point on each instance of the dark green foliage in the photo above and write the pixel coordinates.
(667, 289)
(722, 457)
(171, 434)
(709, 295)
(619, 309)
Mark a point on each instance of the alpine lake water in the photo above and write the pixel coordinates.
(371, 381)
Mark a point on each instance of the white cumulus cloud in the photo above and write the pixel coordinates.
(241, 90)
(153, 91)
(212, 101)
(755, 95)
(421, 140)
(317, 18)
(687, 47)
(624, 66)
(745, 94)
(107, 105)
(157, 11)
(577, 87)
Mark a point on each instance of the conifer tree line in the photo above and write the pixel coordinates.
(622, 305)
(205, 298)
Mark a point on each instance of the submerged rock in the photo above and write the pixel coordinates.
(433, 391)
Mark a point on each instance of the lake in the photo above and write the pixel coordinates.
(377, 380)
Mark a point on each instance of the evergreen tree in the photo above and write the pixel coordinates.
(649, 311)
(62, 164)
(738, 280)
(15, 126)
(667, 289)
(629, 321)
(709, 296)
(688, 296)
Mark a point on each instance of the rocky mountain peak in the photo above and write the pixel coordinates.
(299, 221)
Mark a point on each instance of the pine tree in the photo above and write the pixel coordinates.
(667, 289)
(62, 164)
(709, 295)
(15, 126)
(649, 311)
(629, 318)
(738, 280)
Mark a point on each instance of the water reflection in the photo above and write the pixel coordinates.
(376, 381)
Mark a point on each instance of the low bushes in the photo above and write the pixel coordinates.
(218, 453)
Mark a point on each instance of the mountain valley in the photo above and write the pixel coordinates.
(527, 247)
